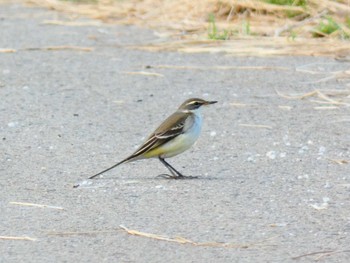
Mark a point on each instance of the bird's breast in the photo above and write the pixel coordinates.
(184, 141)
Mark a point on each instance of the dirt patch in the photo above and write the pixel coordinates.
(252, 27)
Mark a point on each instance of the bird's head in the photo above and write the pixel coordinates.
(194, 104)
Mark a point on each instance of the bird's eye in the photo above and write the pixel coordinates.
(196, 103)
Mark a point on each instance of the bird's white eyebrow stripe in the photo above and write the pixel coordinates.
(179, 126)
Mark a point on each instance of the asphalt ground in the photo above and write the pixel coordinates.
(273, 179)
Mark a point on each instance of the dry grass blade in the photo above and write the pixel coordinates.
(255, 126)
(7, 50)
(188, 20)
(80, 233)
(285, 107)
(36, 205)
(154, 236)
(342, 74)
(182, 240)
(319, 207)
(17, 238)
(248, 46)
(261, 6)
(322, 80)
(56, 48)
(71, 23)
(326, 108)
(324, 102)
(312, 253)
(298, 97)
(220, 67)
(239, 104)
(321, 254)
(287, 28)
(337, 161)
(325, 98)
(143, 73)
(331, 253)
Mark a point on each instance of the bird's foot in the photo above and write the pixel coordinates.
(85, 183)
(176, 177)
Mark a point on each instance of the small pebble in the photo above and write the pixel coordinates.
(271, 154)
(286, 140)
(321, 150)
(12, 124)
(303, 149)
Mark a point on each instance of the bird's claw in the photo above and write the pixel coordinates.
(176, 177)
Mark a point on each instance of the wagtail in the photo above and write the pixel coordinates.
(174, 136)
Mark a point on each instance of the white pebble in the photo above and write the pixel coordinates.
(251, 159)
(319, 207)
(12, 124)
(271, 154)
(213, 133)
(321, 150)
(102, 31)
(327, 185)
(304, 176)
(85, 182)
(326, 199)
(303, 149)
(286, 140)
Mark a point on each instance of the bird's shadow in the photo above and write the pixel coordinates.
(89, 182)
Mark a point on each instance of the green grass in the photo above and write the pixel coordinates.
(290, 14)
(213, 31)
(347, 22)
(246, 28)
(288, 2)
(292, 35)
(329, 26)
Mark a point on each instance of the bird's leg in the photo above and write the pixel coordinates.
(175, 174)
(173, 171)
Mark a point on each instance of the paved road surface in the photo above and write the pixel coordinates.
(267, 185)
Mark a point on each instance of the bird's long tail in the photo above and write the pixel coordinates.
(110, 168)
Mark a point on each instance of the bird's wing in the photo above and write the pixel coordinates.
(169, 129)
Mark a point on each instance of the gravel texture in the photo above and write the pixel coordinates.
(267, 183)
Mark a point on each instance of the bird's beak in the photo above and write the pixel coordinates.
(211, 102)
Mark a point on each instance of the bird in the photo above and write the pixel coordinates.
(174, 136)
